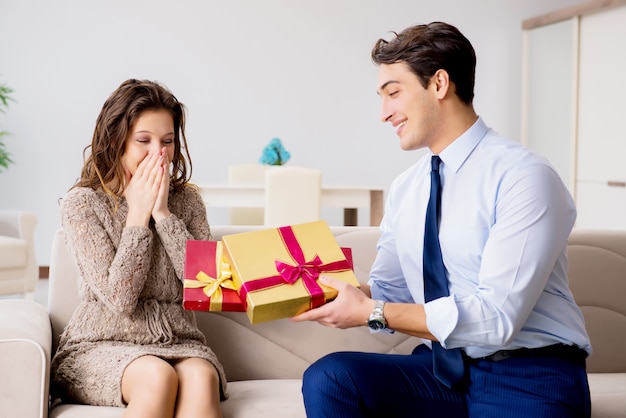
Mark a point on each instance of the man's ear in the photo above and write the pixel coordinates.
(441, 79)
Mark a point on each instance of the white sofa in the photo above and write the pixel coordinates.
(264, 362)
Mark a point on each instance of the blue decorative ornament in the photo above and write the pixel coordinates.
(274, 153)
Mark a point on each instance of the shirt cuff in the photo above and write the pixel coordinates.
(442, 316)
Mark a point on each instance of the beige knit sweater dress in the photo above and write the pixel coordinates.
(131, 291)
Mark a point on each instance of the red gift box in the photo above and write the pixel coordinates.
(207, 287)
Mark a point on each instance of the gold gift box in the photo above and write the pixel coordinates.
(302, 251)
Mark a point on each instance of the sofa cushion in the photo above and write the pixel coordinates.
(86, 411)
(597, 275)
(283, 349)
(608, 395)
(279, 398)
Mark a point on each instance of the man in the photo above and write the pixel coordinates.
(507, 338)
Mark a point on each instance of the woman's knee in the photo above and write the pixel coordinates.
(149, 375)
(196, 371)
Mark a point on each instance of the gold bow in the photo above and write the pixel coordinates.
(212, 287)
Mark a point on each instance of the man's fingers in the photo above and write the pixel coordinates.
(312, 315)
(332, 282)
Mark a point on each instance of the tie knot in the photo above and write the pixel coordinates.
(435, 160)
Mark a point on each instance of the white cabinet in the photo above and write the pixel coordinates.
(602, 97)
(601, 155)
(600, 206)
(549, 125)
(575, 105)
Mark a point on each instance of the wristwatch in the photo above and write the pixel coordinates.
(376, 321)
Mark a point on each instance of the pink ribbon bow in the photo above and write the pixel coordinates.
(309, 271)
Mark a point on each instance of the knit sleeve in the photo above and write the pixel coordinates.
(188, 221)
(114, 268)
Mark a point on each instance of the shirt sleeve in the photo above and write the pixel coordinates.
(386, 277)
(534, 215)
(190, 222)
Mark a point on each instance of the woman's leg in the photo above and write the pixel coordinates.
(149, 387)
(351, 385)
(198, 389)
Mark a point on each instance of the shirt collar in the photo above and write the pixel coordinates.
(455, 154)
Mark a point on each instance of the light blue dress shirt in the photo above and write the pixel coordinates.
(505, 220)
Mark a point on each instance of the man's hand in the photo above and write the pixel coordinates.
(351, 307)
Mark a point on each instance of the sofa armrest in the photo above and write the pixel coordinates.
(25, 340)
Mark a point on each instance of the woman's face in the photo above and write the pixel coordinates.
(152, 132)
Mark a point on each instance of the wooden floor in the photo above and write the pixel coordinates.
(43, 272)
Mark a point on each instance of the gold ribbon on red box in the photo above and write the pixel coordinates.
(206, 287)
(212, 287)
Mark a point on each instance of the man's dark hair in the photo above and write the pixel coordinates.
(432, 47)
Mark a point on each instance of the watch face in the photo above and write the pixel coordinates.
(376, 325)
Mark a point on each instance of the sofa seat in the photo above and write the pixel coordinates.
(256, 398)
(271, 398)
(608, 394)
(250, 399)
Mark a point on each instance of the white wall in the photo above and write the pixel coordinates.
(247, 70)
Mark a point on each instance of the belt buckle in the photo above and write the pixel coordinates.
(501, 355)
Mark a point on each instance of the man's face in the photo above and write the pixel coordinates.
(412, 109)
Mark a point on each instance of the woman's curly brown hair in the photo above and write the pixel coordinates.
(103, 168)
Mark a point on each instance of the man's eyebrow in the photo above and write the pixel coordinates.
(381, 88)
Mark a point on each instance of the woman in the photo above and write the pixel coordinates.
(126, 221)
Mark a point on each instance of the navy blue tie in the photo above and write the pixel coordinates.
(448, 365)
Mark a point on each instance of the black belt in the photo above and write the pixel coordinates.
(563, 351)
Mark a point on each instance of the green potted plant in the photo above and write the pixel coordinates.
(5, 98)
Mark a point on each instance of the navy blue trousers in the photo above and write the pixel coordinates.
(355, 384)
